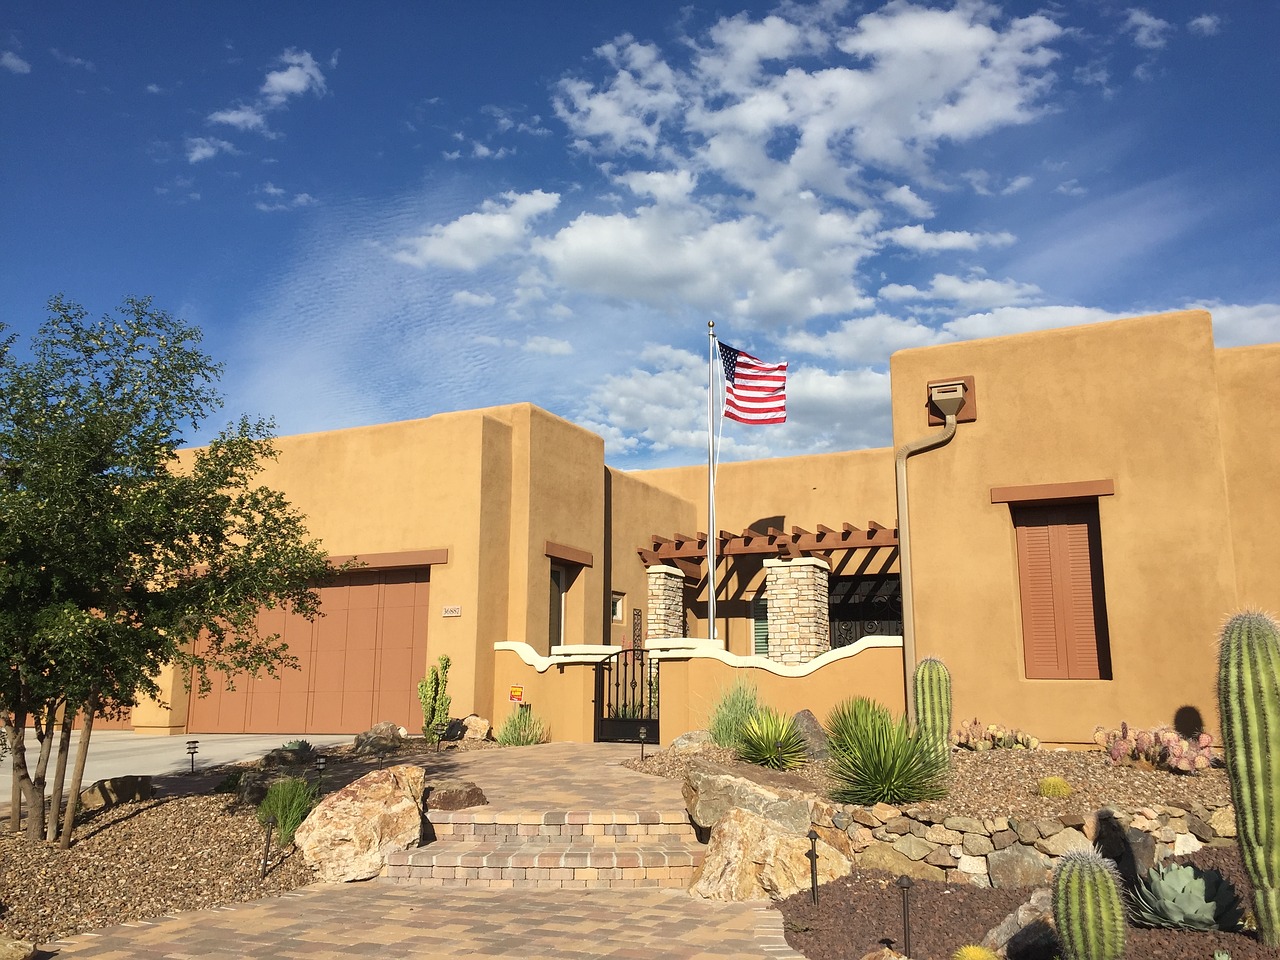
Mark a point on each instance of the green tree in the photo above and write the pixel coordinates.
(118, 555)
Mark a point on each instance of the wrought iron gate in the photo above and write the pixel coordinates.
(627, 698)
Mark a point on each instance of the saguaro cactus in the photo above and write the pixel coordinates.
(933, 700)
(435, 702)
(1087, 908)
(1249, 704)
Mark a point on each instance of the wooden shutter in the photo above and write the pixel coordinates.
(760, 625)
(1060, 579)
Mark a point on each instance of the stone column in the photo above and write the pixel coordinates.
(666, 603)
(799, 618)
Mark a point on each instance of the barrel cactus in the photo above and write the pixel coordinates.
(1185, 897)
(1053, 787)
(1249, 705)
(972, 952)
(1087, 908)
(933, 700)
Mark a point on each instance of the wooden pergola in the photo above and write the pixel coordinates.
(688, 553)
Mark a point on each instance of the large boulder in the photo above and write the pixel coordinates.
(476, 728)
(691, 743)
(1018, 866)
(104, 794)
(382, 737)
(350, 832)
(453, 795)
(11, 949)
(751, 858)
(817, 746)
(712, 790)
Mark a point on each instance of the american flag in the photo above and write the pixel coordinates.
(755, 392)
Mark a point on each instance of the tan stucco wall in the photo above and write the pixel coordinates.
(691, 688)
(854, 486)
(1249, 400)
(561, 697)
(1134, 401)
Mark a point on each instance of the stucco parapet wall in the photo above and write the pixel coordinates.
(688, 648)
(665, 570)
(585, 653)
(798, 562)
(695, 648)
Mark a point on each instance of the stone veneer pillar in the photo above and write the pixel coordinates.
(666, 603)
(796, 592)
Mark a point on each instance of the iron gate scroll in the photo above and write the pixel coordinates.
(627, 698)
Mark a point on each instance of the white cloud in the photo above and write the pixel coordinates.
(968, 291)
(1236, 325)
(865, 340)
(206, 148)
(1070, 188)
(548, 345)
(278, 199)
(1149, 31)
(298, 74)
(14, 63)
(665, 187)
(71, 61)
(1206, 25)
(1011, 319)
(1017, 185)
(916, 237)
(154, 88)
(478, 238)
(465, 298)
(906, 198)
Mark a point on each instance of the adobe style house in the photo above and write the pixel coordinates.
(1107, 498)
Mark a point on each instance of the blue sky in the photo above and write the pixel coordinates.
(381, 211)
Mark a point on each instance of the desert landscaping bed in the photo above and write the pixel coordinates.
(191, 852)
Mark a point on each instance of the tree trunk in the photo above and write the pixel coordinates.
(15, 801)
(60, 775)
(77, 776)
(34, 785)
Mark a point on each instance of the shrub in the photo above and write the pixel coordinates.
(289, 801)
(729, 717)
(876, 759)
(230, 783)
(522, 729)
(771, 739)
(1053, 787)
(976, 735)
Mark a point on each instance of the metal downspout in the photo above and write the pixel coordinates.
(904, 549)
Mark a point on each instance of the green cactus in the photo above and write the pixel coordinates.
(1087, 908)
(933, 700)
(435, 702)
(972, 952)
(1249, 705)
(1186, 898)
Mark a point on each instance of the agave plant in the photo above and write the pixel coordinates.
(1185, 897)
(772, 740)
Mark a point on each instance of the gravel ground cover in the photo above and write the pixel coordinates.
(859, 914)
(177, 852)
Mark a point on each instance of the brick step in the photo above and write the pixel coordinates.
(569, 863)
(604, 827)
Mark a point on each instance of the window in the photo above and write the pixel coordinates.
(760, 625)
(617, 604)
(560, 580)
(1064, 611)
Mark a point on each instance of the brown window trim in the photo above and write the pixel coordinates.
(558, 551)
(403, 558)
(1075, 490)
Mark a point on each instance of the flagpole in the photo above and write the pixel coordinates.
(711, 480)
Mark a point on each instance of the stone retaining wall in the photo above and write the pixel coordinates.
(1007, 851)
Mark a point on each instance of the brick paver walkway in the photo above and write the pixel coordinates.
(381, 919)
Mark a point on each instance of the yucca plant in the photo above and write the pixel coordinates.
(1186, 898)
(772, 740)
(876, 759)
(522, 729)
(288, 800)
(729, 716)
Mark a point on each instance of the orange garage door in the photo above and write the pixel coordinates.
(358, 664)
